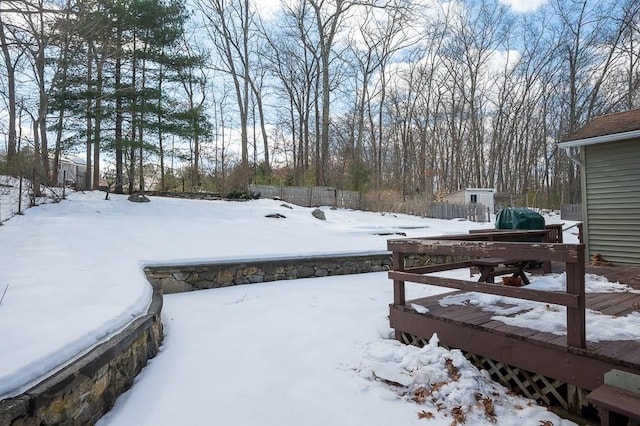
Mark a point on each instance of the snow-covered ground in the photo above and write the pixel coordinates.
(314, 351)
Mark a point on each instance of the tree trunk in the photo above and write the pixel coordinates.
(119, 116)
(11, 98)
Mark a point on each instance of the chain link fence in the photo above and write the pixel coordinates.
(18, 194)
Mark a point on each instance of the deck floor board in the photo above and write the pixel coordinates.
(622, 305)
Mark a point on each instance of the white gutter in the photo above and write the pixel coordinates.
(601, 139)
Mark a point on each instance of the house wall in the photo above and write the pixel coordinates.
(611, 195)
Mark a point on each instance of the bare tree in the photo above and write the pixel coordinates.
(377, 36)
(328, 17)
(11, 58)
(293, 57)
(228, 27)
(588, 41)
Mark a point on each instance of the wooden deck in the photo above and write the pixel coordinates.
(469, 328)
(625, 274)
(472, 330)
(555, 369)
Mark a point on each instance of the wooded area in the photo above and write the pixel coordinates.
(418, 97)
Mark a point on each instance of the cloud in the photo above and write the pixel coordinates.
(266, 8)
(524, 6)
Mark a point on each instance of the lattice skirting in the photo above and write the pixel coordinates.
(532, 385)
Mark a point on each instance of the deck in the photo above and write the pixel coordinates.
(558, 370)
(470, 328)
(626, 274)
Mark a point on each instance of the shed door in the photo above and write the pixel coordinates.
(612, 178)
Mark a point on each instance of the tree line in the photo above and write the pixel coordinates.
(419, 97)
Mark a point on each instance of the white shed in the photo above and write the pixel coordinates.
(484, 196)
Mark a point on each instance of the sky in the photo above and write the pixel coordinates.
(314, 351)
(523, 6)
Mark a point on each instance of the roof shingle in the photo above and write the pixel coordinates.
(608, 125)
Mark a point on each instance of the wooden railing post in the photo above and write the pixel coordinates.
(559, 234)
(547, 238)
(399, 297)
(576, 333)
(580, 233)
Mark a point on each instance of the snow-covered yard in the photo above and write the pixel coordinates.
(312, 351)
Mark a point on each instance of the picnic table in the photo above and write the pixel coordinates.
(492, 267)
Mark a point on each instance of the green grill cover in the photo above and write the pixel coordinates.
(519, 218)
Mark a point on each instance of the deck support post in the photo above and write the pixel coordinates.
(576, 334)
(576, 398)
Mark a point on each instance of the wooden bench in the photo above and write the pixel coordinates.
(490, 268)
(613, 402)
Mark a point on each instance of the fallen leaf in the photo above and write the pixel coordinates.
(425, 415)
(459, 416)
(420, 395)
(453, 371)
(489, 409)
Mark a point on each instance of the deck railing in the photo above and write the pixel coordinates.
(551, 234)
(571, 254)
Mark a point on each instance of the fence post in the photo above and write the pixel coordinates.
(33, 186)
(20, 194)
(576, 333)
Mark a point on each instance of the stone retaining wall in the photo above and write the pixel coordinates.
(83, 391)
(87, 388)
(180, 278)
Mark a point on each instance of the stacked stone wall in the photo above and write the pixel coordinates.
(180, 278)
(83, 391)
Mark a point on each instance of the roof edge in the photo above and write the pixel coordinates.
(600, 139)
